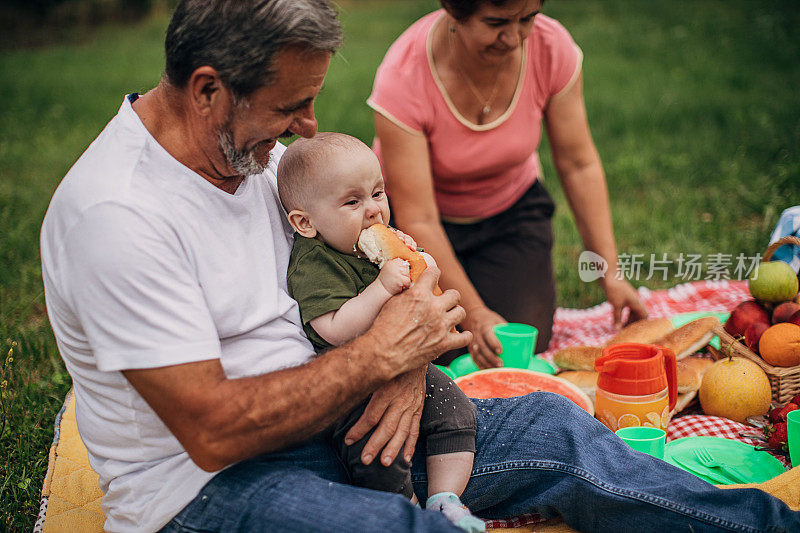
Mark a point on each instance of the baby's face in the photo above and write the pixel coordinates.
(351, 198)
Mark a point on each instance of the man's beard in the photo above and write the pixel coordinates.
(244, 162)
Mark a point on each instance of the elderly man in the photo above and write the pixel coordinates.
(164, 255)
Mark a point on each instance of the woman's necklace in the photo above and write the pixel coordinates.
(486, 103)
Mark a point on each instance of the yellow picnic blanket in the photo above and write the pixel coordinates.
(71, 496)
(70, 493)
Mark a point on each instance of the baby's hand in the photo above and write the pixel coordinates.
(395, 276)
(407, 239)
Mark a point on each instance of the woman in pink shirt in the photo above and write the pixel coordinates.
(459, 102)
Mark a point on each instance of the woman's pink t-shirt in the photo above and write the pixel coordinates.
(478, 170)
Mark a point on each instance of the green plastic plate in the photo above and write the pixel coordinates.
(751, 465)
(447, 372)
(463, 365)
(538, 364)
(685, 318)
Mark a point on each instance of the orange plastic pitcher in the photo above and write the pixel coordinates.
(637, 386)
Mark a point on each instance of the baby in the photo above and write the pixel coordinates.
(332, 188)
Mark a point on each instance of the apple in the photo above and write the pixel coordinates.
(795, 319)
(784, 311)
(753, 334)
(774, 282)
(743, 315)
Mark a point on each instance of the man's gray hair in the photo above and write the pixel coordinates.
(241, 38)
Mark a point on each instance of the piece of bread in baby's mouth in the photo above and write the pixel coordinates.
(380, 244)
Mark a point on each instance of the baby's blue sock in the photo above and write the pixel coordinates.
(448, 504)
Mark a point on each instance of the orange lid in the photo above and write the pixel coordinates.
(635, 369)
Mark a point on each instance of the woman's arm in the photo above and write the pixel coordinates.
(581, 173)
(407, 172)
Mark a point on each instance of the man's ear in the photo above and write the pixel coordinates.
(301, 223)
(208, 96)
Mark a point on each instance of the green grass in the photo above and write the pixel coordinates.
(693, 106)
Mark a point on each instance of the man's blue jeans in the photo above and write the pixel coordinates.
(539, 453)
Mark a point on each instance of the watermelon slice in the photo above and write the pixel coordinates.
(510, 382)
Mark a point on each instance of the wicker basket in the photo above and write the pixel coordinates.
(784, 381)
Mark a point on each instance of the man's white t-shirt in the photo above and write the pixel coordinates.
(146, 264)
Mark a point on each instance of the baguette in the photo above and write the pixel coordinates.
(688, 379)
(683, 402)
(699, 364)
(380, 244)
(643, 331)
(690, 338)
(577, 357)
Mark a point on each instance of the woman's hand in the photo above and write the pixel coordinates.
(621, 294)
(484, 346)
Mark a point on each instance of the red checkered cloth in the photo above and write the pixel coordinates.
(594, 326)
(709, 426)
(515, 521)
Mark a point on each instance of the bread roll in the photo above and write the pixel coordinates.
(683, 402)
(644, 331)
(380, 244)
(585, 380)
(688, 378)
(690, 338)
(577, 357)
(699, 364)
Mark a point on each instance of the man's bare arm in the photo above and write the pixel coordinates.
(220, 421)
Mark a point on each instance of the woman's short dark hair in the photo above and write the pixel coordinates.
(241, 39)
(461, 10)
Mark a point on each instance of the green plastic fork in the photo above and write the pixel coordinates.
(705, 457)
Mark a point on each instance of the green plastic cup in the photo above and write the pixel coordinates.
(793, 431)
(518, 341)
(644, 439)
(463, 365)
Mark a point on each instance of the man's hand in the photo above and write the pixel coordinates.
(395, 409)
(395, 276)
(415, 327)
(412, 329)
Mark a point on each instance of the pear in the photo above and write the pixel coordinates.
(735, 388)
